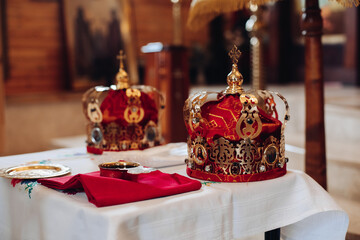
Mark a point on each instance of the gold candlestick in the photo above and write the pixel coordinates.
(176, 10)
(256, 27)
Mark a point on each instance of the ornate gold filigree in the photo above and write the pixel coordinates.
(133, 93)
(282, 146)
(194, 109)
(134, 146)
(282, 140)
(247, 152)
(222, 152)
(138, 133)
(133, 113)
(244, 157)
(111, 132)
(94, 112)
(113, 147)
(123, 133)
(269, 103)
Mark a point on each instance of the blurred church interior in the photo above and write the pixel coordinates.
(42, 78)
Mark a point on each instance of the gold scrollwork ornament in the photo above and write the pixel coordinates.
(113, 147)
(247, 153)
(137, 133)
(133, 93)
(269, 103)
(134, 145)
(94, 112)
(249, 124)
(282, 148)
(222, 152)
(111, 136)
(133, 114)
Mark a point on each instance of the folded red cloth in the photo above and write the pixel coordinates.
(106, 191)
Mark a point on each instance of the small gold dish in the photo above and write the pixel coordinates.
(117, 169)
(35, 171)
(123, 169)
(123, 165)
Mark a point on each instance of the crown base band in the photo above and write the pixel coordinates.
(271, 174)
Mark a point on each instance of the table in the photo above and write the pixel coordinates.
(295, 203)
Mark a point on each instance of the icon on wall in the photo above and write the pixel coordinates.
(95, 32)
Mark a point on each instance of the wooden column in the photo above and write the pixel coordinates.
(315, 157)
(2, 110)
(168, 71)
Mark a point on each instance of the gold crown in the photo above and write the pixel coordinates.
(235, 135)
(122, 117)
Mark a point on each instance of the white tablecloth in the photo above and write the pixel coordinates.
(294, 202)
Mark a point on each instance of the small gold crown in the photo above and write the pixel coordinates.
(122, 117)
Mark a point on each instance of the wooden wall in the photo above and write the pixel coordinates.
(35, 40)
(35, 47)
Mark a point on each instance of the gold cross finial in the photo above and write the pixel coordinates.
(234, 78)
(234, 54)
(122, 78)
(121, 57)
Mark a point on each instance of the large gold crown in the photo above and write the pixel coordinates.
(122, 117)
(235, 135)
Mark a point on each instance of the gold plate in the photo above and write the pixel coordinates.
(35, 171)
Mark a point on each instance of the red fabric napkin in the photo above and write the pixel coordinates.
(106, 191)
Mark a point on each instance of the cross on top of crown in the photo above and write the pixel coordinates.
(234, 54)
(121, 57)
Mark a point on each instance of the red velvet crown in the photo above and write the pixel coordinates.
(235, 136)
(122, 117)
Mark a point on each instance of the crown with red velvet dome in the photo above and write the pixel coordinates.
(122, 117)
(235, 135)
